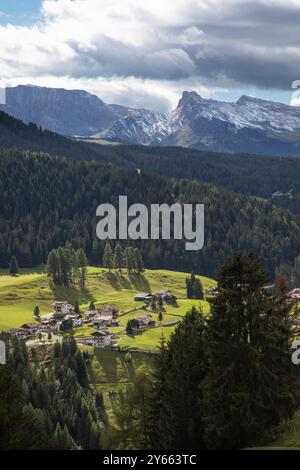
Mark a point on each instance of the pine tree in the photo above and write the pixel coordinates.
(65, 266)
(180, 369)
(76, 307)
(13, 266)
(132, 414)
(118, 257)
(82, 263)
(107, 256)
(36, 311)
(197, 289)
(138, 260)
(53, 266)
(129, 261)
(252, 384)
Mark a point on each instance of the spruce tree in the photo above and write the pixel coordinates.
(107, 256)
(53, 266)
(118, 257)
(36, 311)
(82, 263)
(176, 402)
(13, 266)
(252, 384)
(129, 259)
(76, 307)
(138, 260)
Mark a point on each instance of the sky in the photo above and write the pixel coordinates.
(144, 53)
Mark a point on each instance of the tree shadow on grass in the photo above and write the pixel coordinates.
(120, 280)
(72, 293)
(140, 282)
(117, 280)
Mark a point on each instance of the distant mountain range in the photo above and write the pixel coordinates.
(250, 125)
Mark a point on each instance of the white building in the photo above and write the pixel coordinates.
(101, 339)
(62, 308)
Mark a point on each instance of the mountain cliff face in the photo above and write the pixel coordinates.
(68, 112)
(250, 125)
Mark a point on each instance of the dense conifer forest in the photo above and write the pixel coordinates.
(247, 174)
(46, 399)
(223, 382)
(46, 202)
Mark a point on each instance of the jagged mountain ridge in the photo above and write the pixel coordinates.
(249, 125)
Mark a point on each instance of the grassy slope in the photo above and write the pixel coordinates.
(19, 295)
(109, 370)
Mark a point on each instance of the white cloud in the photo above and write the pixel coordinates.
(147, 49)
(158, 95)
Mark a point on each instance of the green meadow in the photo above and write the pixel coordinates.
(19, 295)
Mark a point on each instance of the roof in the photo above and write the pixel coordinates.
(143, 316)
(97, 334)
(142, 296)
(30, 325)
(61, 302)
(103, 318)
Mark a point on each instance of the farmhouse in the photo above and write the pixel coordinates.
(48, 326)
(90, 314)
(167, 296)
(145, 321)
(61, 309)
(75, 319)
(108, 310)
(143, 297)
(101, 339)
(104, 321)
(29, 329)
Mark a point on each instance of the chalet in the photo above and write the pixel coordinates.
(49, 326)
(61, 309)
(145, 321)
(108, 310)
(75, 319)
(101, 339)
(143, 297)
(166, 296)
(13, 331)
(90, 315)
(47, 316)
(104, 321)
(29, 329)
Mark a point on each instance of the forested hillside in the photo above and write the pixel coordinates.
(48, 201)
(47, 401)
(17, 135)
(246, 174)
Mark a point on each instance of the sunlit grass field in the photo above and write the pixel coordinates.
(19, 295)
